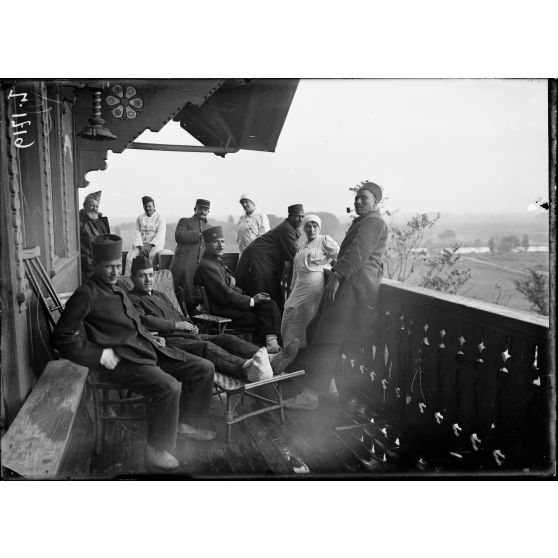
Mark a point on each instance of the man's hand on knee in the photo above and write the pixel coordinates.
(187, 326)
(260, 297)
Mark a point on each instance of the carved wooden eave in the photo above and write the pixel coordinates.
(129, 107)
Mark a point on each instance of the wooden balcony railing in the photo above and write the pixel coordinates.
(466, 384)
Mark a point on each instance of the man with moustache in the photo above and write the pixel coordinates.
(258, 313)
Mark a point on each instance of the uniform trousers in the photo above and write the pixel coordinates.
(262, 319)
(322, 361)
(227, 352)
(175, 390)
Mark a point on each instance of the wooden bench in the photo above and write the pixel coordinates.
(35, 444)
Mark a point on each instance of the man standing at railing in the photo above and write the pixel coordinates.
(347, 310)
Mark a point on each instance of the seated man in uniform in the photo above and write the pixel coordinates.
(177, 385)
(258, 313)
(229, 354)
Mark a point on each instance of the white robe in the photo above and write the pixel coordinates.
(307, 286)
(249, 227)
(149, 230)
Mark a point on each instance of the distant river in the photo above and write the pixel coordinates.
(486, 249)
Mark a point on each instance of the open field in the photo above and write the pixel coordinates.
(493, 275)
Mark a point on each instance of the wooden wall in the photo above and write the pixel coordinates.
(39, 208)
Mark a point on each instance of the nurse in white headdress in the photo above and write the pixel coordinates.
(317, 252)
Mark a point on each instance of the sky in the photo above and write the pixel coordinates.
(453, 146)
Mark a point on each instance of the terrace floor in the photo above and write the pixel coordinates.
(307, 445)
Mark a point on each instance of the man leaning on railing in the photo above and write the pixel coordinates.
(347, 310)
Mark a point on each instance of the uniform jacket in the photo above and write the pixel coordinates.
(359, 263)
(225, 300)
(261, 265)
(88, 230)
(110, 321)
(189, 249)
(158, 314)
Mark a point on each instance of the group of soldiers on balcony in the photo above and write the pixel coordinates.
(106, 328)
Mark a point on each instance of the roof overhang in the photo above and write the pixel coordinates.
(246, 115)
(225, 114)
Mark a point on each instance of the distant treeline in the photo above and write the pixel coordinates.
(330, 225)
(497, 232)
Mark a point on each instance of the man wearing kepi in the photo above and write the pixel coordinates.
(230, 355)
(269, 258)
(124, 352)
(92, 223)
(347, 310)
(258, 312)
(189, 250)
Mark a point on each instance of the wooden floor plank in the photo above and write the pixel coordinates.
(297, 436)
(218, 462)
(317, 427)
(240, 466)
(192, 457)
(250, 450)
(280, 439)
(260, 434)
(261, 446)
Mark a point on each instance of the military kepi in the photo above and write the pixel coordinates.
(296, 208)
(106, 247)
(139, 264)
(211, 234)
(203, 203)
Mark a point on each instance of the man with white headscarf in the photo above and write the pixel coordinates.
(250, 225)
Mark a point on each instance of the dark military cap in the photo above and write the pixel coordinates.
(296, 208)
(140, 263)
(106, 248)
(212, 234)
